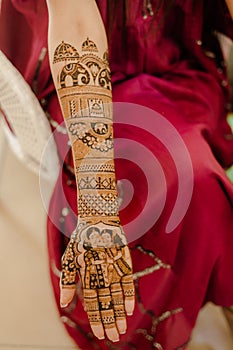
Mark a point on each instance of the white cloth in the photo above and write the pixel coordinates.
(31, 139)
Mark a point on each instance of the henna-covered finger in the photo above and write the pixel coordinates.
(119, 307)
(129, 293)
(91, 305)
(68, 275)
(107, 314)
(112, 333)
(66, 295)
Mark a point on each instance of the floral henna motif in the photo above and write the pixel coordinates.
(95, 135)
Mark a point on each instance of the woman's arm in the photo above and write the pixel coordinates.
(74, 22)
(80, 69)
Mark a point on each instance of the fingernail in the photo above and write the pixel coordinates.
(129, 313)
(115, 340)
(64, 305)
(101, 338)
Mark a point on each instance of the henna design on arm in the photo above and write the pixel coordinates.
(97, 249)
(84, 90)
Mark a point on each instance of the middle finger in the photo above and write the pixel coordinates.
(107, 314)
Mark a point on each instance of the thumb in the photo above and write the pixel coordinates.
(66, 295)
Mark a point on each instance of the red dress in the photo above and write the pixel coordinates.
(172, 144)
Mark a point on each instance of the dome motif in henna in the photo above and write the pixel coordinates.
(89, 45)
(65, 52)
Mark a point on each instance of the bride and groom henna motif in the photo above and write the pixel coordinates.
(101, 257)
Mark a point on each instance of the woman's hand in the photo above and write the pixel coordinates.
(99, 253)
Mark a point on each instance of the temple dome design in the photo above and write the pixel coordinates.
(89, 45)
(65, 52)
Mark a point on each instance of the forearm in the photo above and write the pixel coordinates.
(82, 78)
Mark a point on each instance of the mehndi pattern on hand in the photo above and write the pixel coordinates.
(97, 250)
(101, 257)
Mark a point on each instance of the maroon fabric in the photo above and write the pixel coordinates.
(159, 64)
